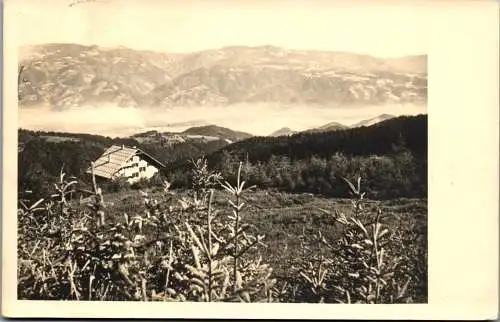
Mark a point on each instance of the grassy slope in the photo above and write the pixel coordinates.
(290, 220)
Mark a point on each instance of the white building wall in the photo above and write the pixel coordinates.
(136, 169)
(146, 170)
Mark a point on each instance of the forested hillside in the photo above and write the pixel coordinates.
(392, 155)
(373, 140)
(42, 155)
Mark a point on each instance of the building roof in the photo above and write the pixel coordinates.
(114, 158)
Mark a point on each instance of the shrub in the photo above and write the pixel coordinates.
(157, 180)
(368, 264)
(388, 176)
(117, 185)
(142, 183)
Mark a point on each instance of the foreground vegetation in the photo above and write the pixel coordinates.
(221, 240)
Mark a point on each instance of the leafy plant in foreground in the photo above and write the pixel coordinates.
(221, 268)
(362, 267)
(210, 258)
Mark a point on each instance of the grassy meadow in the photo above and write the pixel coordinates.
(291, 220)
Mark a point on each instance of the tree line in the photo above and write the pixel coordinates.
(391, 156)
(40, 161)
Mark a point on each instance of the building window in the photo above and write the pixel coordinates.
(135, 174)
(142, 169)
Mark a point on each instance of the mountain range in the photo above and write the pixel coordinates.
(61, 76)
(283, 131)
(213, 132)
(374, 120)
(218, 132)
(334, 126)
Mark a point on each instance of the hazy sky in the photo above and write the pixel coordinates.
(379, 28)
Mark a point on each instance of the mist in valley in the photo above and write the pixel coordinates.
(257, 119)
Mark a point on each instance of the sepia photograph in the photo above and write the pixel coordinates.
(218, 151)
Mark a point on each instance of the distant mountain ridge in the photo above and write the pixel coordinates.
(199, 134)
(335, 126)
(283, 131)
(61, 76)
(219, 132)
(374, 120)
(230, 135)
(377, 139)
(332, 126)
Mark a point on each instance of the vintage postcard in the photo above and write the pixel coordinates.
(250, 159)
